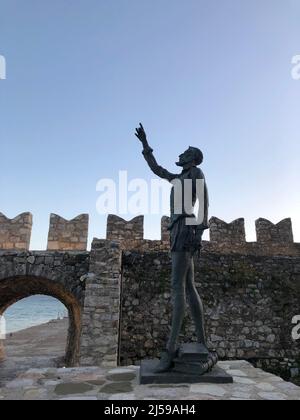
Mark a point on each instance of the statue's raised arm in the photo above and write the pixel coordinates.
(149, 157)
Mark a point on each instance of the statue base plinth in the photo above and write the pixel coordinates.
(148, 376)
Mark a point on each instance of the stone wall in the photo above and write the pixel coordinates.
(250, 290)
(101, 317)
(225, 238)
(65, 235)
(272, 240)
(165, 233)
(249, 305)
(24, 274)
(15, 233)
(130, 234)
(227, 233)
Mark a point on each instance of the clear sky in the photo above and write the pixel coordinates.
(209, 73)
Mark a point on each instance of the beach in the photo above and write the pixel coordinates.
(36, 347)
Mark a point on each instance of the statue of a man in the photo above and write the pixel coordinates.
(186, 240)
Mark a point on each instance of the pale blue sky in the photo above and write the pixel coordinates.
(215, 74)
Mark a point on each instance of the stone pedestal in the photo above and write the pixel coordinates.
(194, 364)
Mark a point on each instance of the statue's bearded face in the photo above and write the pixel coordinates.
(187, 157)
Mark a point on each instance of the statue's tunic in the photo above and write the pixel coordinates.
(183, 235)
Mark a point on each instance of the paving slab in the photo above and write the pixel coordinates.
(123, 384)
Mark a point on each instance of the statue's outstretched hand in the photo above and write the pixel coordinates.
(141, 135)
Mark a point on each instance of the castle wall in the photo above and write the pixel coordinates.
(15, 233)
(65, 235)
(23, 274)
(249, 305)
(225, 238)
(250, 289)
(101, 316)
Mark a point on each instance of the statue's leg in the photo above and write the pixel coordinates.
(180, 267)
(195, 303)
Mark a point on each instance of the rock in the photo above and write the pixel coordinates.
(271, 338)
(35, 394)
(72, 388)
(79, 399)
(121, 377)
(213, 390)
(20, 383)
(265, 387)
(122, 370)
(117, 388)
(273, 396)
(234, 372)
(31, 259)
(245, 381)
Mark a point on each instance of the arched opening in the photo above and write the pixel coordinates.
(13, 290)
(32, 312)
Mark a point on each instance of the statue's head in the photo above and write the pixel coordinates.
(192, 156)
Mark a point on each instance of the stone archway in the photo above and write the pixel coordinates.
(16, 288)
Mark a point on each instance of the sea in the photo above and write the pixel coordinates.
(33, 311)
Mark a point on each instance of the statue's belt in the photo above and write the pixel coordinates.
(179, 218)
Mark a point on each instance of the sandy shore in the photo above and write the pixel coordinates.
(36, 347)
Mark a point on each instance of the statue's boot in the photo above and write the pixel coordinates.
(166, 362)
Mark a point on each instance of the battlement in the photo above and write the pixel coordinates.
(68, 235)
(275, 234)
(227, 233)
(226, 238)
(165, 233)
(119, 229)
(272, 239)
(15, 233)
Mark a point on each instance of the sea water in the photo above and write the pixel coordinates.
(32, 311)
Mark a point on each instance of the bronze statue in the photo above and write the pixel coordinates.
(186, 240)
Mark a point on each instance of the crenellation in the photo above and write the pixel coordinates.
(122, 286)
(228, 234)
(165, 233)
(127, 233)
(15, 233)
(65, 235)
(272, 234)
(115, 292)
(225, 238)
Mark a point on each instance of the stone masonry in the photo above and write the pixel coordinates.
(269, 233)
(67, 235)
(23, 274)
(128, 234)
(101, 317)
(227, 233)
(249, 303)
(118, 294)
(15, 233)
(165, 233)
(121, 384)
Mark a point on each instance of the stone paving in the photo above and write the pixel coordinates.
(122, 384)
